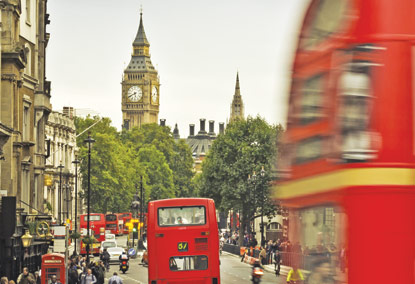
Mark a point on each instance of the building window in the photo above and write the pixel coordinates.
(28, 11)
(25, 197)
(26, 122)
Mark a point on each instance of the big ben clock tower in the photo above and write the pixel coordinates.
(140, 85)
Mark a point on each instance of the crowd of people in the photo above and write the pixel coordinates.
(79, 272)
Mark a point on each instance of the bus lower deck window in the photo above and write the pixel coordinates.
(186, 263)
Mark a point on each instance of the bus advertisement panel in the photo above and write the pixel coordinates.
(97, 228)
(183, 242)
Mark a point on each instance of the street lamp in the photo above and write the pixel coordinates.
(27, 239)
(262, 207)
(140, 242)
(76, 162)
(26, 242)
(60, 167)
(66, 186)
(89, 140)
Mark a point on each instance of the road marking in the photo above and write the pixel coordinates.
(127, 277)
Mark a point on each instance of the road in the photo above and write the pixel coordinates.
(232, 271)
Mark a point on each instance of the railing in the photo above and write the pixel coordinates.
(287, 258)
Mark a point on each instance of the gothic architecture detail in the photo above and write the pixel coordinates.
(140, 96)
(237, 106)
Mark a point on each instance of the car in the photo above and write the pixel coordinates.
(109, 237)
(115, 253)
(107, 245)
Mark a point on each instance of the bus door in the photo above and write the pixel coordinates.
(53, 264)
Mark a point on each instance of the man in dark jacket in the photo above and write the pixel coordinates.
(277, 262)
(73, 274)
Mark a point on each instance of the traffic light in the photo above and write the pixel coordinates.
(135, 231)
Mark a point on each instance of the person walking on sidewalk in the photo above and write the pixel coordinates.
(277, 262)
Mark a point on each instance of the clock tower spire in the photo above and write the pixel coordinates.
(140, 85)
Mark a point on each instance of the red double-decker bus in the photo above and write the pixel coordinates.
(114, 223)
(349, 148)
(126, 217)
(182, 241)
(97, 228)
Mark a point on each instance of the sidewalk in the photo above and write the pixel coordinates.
(341, 277)
(269, 267)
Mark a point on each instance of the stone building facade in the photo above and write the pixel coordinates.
(24, 109)
(59, 191)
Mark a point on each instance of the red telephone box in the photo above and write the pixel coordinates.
(53, 264)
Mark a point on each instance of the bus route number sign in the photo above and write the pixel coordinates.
(182, 246)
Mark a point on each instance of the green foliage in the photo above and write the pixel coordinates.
(74, 235)
(120, 159)
(89, 240)
(245, 147)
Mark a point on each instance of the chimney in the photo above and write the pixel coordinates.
(162, 122)
(191, 130)
(221, 127)
(202, 126)
(211, 127)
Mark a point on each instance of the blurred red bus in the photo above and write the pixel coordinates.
(182, 241)
(126, 217)
(114, 223)
(349, 149)
(97, 227)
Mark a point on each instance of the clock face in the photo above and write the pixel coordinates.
(134, 94)
(154, 94)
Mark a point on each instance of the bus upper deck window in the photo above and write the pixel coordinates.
(326, 18)
(355, 108)
(182, 216)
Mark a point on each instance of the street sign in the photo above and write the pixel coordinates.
(131, 252)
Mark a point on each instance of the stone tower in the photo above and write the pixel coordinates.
(237, 106)
(140, 97)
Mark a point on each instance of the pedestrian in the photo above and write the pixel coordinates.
(4, 280)
(25, 277)
(115, 279)
(106, 259)
(72, 274)
(88, 278)
(263, 256)
(37, 277)
(99, 272)
(277, 262)
(12, 282)
(54, 280)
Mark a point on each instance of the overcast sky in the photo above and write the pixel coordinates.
(197, 46)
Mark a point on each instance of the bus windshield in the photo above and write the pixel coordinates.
(179, 216)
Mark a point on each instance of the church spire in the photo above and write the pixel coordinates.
(140, 38)
(237, 106)
(237, 89)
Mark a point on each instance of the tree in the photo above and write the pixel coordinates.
(244, 148)
(120, 159)
(177, 154)
(112, 166)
